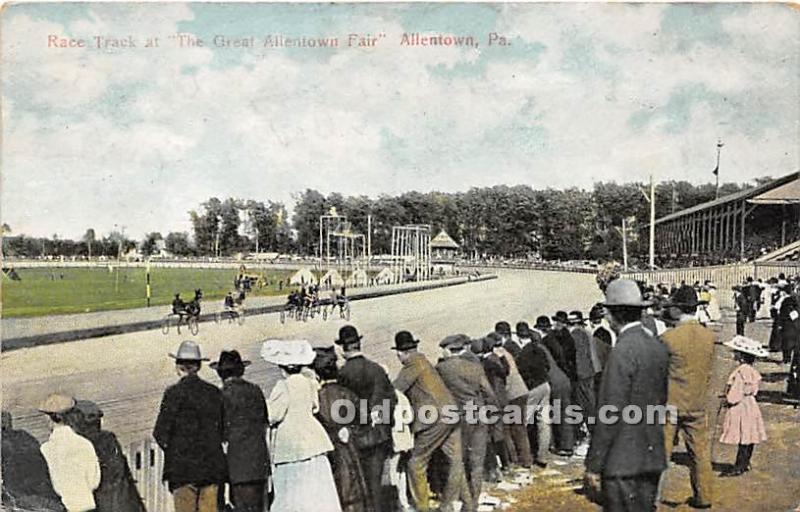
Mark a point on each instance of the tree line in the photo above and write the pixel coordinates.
(500, 221)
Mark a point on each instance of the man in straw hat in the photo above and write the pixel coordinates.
(245, 421)
(467, 381)
(71, 459)
(426, 390)
(189, 430)
(625, 459)
(691, 355)
(117, 491)
(368, 380)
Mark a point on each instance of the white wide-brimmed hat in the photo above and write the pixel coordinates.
(287, 352)
(57, 403)
(748, 346)
(188, 351)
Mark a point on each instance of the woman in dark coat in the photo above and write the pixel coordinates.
(245, 421)
(117, 491)
(347, 472)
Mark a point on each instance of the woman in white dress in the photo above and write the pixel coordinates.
(302, 476)
(714, 312)
(766, 300)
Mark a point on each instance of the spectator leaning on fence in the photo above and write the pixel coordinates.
(71, 459)
(117, 491)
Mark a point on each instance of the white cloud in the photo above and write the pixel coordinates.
(141, 137)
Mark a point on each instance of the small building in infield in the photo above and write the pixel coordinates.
(443, 254)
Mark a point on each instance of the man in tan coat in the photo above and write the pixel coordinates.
(691, 353)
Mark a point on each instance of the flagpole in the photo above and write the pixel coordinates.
(716, 171)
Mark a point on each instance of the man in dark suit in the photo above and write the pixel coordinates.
(788, 322)
(534, 367)
(245, 421)
(189, 430)
(424, 387)
(369, 382)
(753, 291)
(626, 458)
(467, 381)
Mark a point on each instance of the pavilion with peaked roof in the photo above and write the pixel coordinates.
(443, 253)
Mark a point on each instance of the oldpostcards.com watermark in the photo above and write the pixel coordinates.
(345, 412)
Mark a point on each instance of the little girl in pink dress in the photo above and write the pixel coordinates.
(743, 423)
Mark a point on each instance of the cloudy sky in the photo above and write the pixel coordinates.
(137, 137)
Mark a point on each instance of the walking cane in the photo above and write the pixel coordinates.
(714, 439)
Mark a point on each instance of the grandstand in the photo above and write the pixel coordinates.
(758, 223)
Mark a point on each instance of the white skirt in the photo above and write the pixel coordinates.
(305, 485)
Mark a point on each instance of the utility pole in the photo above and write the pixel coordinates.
(624, 245)
(369, 241)
(652, 223)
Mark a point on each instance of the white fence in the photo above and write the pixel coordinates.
(724, 278)
(146, 461)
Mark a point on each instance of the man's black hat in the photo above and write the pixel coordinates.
(403, 340)
(229, 360)
(502, 328)
(348, 335)
(542, 322)
(561, 316)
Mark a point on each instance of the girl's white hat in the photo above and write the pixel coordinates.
(748, 346)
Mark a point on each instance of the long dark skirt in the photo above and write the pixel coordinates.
(349, 477)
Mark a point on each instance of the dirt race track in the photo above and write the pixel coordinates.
(127, 375)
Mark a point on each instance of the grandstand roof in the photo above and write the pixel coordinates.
(750, 194)
(788, 193)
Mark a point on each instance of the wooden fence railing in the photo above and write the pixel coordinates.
(724, 278)
(146, 461)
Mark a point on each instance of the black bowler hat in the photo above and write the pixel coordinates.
(523, 331)
(348, 335)
(542, 322)
(502, 328)
(686, 296)
(403, 340)
(229, 360)
(597, 312)
(561, 316)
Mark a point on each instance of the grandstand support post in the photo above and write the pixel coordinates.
(652, 223)
(741, 232)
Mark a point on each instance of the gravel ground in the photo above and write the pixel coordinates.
(772, 485)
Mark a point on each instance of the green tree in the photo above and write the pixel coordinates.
(149, 244)
(178, 244)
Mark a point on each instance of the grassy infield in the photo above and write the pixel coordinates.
(42, 291)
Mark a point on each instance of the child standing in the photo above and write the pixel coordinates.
(743, 424)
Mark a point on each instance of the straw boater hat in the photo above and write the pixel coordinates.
(288, 352)
(188, 351)
(624, 293)
(748, 346)
(57, 403)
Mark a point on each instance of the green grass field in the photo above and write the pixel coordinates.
(43, 291)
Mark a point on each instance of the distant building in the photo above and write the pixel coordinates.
(443, 254)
